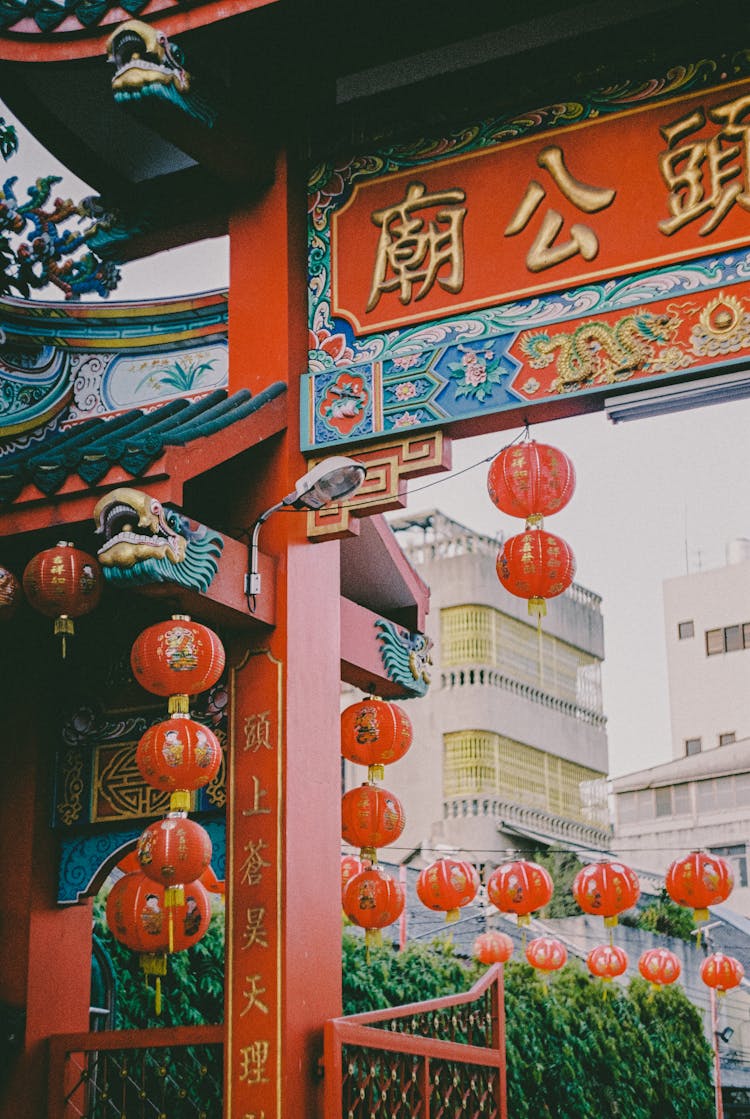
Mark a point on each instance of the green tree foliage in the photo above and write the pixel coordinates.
(192, 990)
(664, 916)
(577, 1048)
(563, 866)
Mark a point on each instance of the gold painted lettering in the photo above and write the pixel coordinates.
(253, 1061)
(254, 932)
(251, 871)
(258, 794)
(706, 176)
(258, 732)
(545, 251)
(252, 996)
(414, 251)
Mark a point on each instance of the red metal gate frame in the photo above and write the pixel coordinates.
(362, 1030)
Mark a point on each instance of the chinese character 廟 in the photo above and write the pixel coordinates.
(412, 250)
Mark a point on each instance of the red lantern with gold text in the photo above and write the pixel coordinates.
(722, 972)
(371, 817)
(531, 480)
(536, 565)
(659, 966)
(63, 583)
(520, 887)
(137, 917)
(178, 756)
(607, 961)
(448, 885)
(605, 889)
(178, 659)
(173, 852)
(492, 948)
(546, 954)
(699, 880)
(372, 900)
(375, 733)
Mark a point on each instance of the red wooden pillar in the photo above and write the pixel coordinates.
(283, 827)
(45, 950)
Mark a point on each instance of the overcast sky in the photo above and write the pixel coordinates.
(653, 498)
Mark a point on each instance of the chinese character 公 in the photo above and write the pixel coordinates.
(544, 253)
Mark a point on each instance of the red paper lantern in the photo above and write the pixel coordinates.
(375, 733)
(371, 817)
(350, 865)
(546, 954)
(493, 948)
(63, 583)
(173, 852)
(177, 756)
(372, 900)
(699, 880)
(138, 917)
(659, 966)
(448, 885)
(606, 889)
(722, 972)
(178, 659)
(531, 480)
(535, 565)
(607, 961)
(10, 594)
(210, 882)
(520, 887)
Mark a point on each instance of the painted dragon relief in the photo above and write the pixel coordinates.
(146, 542)
(601, 353)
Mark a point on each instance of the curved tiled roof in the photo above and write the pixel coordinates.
(132, 440)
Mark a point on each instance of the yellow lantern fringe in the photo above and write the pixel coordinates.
(180, 801)
(375, 772)
(64, 627)
(178, 705)
(156, 965)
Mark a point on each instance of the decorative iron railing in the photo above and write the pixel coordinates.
(139, 1074)
(430, 1060)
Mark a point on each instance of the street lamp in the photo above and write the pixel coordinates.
(331, 480)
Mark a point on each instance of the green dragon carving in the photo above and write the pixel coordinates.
(144, 542)
(405, 656)
(597, 353)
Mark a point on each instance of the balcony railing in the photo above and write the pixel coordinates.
(427, 1060)
(137, 1074)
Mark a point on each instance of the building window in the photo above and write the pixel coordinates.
(728, 738)
(685, 629)
(728, 639)
(664, 801)
(692, 746)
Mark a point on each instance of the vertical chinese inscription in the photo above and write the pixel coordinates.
(253, 952)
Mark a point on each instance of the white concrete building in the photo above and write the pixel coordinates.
(510, 745)
(702, 797)
(707, 619)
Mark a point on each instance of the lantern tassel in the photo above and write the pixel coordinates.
(157, 996)
(63, 628)
(178, 704)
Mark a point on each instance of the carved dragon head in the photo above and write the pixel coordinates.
(143, 56)
(144, 542)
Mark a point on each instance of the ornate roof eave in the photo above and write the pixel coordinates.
(72, 41)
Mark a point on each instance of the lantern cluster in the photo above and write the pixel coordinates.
(533, 480)
(374, 733)
(162, 906)
(63, 583)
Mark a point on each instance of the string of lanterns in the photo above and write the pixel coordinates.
(163, 906)
(533, 480)
(374, 733)
(607, 889)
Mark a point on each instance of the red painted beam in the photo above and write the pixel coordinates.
(361, 663)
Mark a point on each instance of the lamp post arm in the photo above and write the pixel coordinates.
(252, 579)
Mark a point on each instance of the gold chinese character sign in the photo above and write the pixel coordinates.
(529, 262)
